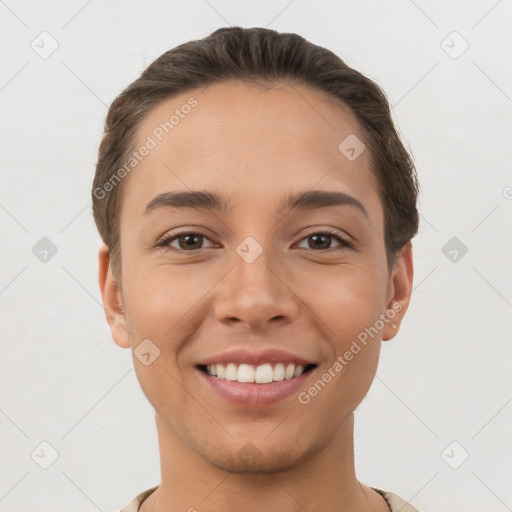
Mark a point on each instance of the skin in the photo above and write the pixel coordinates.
(253, 145)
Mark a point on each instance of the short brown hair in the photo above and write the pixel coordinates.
(258, 55)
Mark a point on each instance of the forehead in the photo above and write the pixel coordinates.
(248, 141)
(226, 113)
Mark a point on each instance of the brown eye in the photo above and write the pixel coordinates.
(321, 241)
(190, 241)
(186, 242)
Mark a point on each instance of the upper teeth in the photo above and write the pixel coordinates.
(262, 374)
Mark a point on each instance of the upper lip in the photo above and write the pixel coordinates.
(240, 356)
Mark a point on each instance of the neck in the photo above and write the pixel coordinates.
(327, 481)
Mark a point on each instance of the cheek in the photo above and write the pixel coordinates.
(166, 306)
(348, 304)
(347, 300)
(166, 309)
(160, 300)
(346, 307)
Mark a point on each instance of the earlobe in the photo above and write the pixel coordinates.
(400, 292)
(112, 299)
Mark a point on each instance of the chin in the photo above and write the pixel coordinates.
(250, 460)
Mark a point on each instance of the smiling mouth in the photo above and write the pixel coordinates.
(260, 374)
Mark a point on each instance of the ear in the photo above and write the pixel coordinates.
(112, 299)
(399, 292)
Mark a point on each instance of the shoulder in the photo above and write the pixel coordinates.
(395, 502)
(135, 504)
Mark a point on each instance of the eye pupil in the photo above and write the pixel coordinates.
(187, 239)
(320, 236)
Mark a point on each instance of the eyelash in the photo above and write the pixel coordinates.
(167, 239)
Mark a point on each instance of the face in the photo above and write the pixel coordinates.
(279, 270)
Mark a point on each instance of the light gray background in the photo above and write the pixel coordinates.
(446, 377)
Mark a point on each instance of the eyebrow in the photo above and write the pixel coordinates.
(213, 201)
(320, 199)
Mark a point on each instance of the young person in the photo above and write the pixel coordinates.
(257, 208)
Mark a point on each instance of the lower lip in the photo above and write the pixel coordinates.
(254, 395)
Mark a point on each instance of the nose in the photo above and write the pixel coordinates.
(258, 294)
